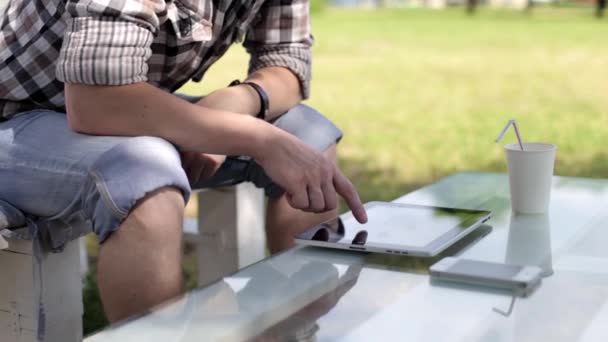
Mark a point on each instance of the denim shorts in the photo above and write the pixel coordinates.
(71, 184)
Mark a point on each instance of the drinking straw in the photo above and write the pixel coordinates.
(504, 130)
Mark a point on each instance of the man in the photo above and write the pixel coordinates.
(93, 138)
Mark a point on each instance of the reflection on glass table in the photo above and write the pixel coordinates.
(529, 242)
(302, 325)
(331, 295)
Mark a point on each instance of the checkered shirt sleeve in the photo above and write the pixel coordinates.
(108, 42)
(281, 37)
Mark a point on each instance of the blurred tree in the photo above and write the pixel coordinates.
(529, 6)
(471, 6)
(381, 3)
(601, 6)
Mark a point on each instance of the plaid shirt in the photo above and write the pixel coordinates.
(45, 43)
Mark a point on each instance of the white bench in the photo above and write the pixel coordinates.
(41, 299)
(231, 232)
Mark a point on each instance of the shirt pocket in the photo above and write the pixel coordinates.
(191, 24)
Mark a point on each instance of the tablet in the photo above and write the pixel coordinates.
(396, 228)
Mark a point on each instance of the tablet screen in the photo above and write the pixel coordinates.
(396, 224)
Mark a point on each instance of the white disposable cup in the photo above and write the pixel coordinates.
(530, 175)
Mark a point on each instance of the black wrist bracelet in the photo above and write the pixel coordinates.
(264, 101)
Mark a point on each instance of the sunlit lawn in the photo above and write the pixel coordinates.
(421, 94)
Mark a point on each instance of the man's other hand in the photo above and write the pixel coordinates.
(311, 181)
(200, 166)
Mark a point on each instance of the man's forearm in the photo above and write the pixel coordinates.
(141, 109)
(281, 85)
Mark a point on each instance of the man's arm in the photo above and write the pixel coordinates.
(142, 109)
(280, 47)
(281, 85)
(310, 180)
(283, 89)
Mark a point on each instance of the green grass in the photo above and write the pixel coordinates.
(421, 94)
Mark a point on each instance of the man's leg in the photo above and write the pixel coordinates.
(140, 264)
(123, 188)
(138, 216)
(284, 222)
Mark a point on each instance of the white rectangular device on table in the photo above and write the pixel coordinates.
(395, 228)
(484, 273)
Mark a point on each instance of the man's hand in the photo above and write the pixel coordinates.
(200, 166)
(310, 180)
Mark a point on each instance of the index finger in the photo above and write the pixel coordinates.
(346, 189)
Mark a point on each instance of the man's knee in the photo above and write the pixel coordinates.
(158, 215)
(130, 175)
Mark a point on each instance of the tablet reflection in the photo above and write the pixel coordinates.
(330, 231)
(333, 231)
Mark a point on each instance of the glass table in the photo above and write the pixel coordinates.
(310, 294)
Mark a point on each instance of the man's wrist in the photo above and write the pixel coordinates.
(249, 98)
(242, 100)
(263, 99)
(264, 136)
